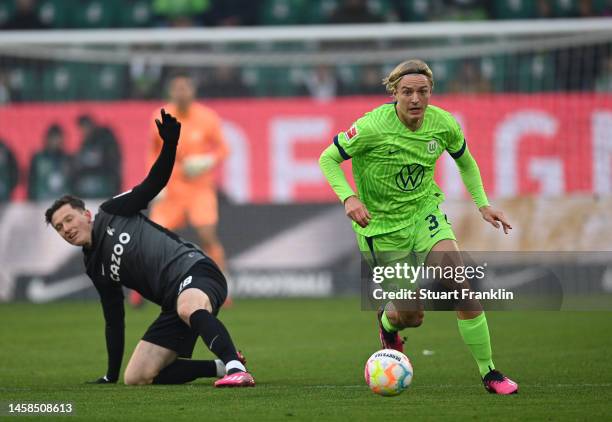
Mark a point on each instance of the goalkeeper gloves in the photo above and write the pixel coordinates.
(194, 165)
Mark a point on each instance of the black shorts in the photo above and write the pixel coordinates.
(169, 330)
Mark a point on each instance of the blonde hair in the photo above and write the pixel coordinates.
(413, 66)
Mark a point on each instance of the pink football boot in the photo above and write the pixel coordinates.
(389, 340)
(237, 379)
(496, 383)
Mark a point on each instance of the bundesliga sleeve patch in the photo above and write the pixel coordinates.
(351, 133)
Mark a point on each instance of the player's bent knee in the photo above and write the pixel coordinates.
(130, 378)
(185, 311)
(417, 322)
(133, 381)
(410, 319)
(191, 300)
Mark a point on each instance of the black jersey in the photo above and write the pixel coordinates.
(130, 250)
(133, 251)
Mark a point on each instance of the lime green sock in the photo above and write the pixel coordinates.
(390, 328)
(475, 334)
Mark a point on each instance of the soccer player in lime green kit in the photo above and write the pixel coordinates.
(394, 149)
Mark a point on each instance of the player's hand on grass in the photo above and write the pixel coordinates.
(356, 211)
(495, 217)
(102, 380)
(169, 128)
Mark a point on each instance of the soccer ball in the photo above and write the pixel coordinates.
(388, 372)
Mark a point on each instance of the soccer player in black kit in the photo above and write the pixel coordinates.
(122, 247)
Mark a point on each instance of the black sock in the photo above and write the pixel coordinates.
(184, 370)
(214, 334)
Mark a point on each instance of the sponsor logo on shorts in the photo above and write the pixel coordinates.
(184, 284)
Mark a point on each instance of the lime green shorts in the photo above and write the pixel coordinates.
(410, 244)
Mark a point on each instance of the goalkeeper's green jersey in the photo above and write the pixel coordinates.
(393, 166)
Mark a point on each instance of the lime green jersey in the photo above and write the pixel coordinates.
(393, 166)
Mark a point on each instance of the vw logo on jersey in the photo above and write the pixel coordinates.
(432, 146)
(410, 177)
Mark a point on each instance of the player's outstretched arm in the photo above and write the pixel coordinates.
(470, 174)
(132, 201)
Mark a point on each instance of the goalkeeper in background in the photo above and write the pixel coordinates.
(394, 149)
(191, 194)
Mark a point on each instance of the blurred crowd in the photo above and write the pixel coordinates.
(584, 69)
(587, 68)
(39, 14)
(51, 170)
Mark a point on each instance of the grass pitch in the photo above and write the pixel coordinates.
(307, 357)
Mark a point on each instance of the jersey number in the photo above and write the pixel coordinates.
(433, 222)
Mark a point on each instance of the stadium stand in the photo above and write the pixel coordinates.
(37, 77)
